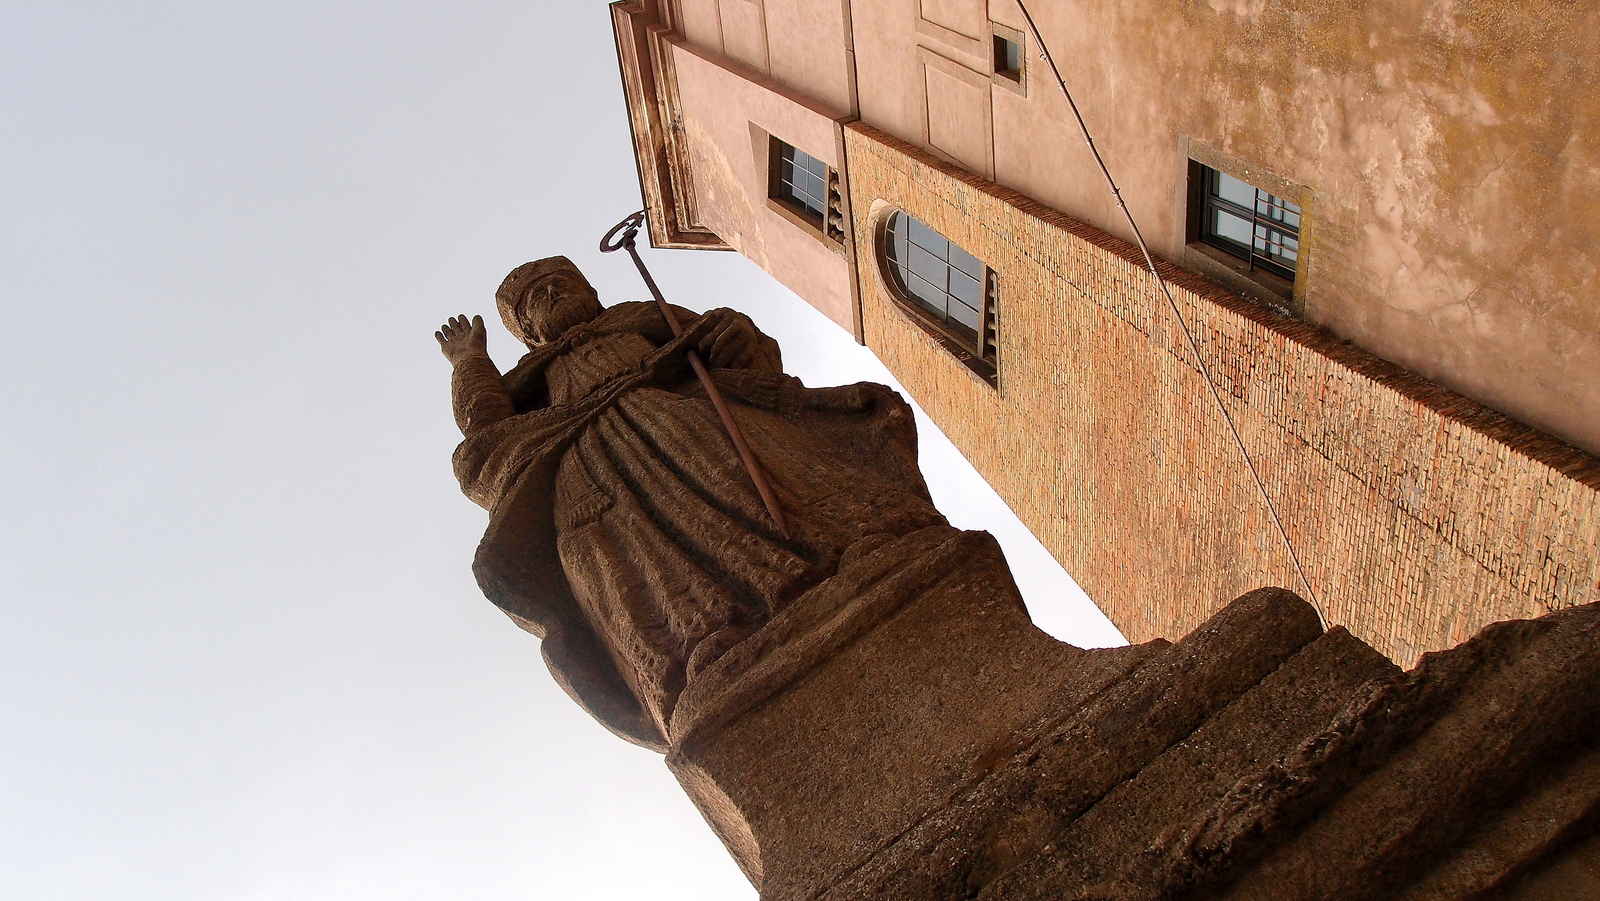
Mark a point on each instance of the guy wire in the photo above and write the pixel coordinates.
(1194, 347)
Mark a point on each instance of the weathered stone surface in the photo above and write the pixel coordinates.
(623, 528)
(1194, 806)
(938, 677)
(1472, 731)
(863, 710)
(1318, 770)
(1088, 750)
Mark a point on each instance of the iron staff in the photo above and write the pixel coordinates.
(628, 228)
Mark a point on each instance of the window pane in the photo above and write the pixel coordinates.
(966, 289)
(898, 248)
(1233, 190)
(817, 167)
(1278, 210)
(897, 225)
(790, 192)
(1247, 222)
(929, 267)
(931, 295)
(929, 239)
(817, 188)
(966, 262)
(1227, 225)
(938, 278)
(1276, 244)
(963, 315)
(802, 180)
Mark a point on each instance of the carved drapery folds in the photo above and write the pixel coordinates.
(623, 528)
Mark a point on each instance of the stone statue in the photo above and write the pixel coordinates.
(623, 529)
(864, 710)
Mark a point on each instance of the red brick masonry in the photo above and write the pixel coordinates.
(1420, 515)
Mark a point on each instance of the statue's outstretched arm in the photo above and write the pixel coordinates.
(477, 395)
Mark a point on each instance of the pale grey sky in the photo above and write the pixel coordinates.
(243, 656)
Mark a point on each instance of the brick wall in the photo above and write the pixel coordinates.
(1419, 515)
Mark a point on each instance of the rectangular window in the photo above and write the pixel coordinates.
(1241, 220)
(1007, 58)
(800, 180)
(805, 190)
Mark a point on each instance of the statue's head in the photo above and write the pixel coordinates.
(539, 301)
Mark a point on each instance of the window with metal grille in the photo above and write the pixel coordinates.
(1244, 221)
(800, 180)
(950, 291)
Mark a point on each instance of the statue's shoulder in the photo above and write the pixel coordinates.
(639, 317)
(628, 313)
(629, 307)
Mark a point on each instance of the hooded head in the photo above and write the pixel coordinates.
(539, 301)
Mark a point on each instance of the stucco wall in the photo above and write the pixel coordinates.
(1419, 515)
(800, 44)
(1452, 148)
(727, 112)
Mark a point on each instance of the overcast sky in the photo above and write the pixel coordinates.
(243, 655)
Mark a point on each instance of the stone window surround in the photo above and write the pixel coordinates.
(765, 145)
(1020, 83)
(1263, 287)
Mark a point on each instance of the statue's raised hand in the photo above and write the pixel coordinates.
(460, 338)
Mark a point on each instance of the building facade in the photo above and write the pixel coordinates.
(1376, 224)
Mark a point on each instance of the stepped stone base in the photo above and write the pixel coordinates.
(908, 734)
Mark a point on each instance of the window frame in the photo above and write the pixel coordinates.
(1211, 201)
(978, 351)
(1275, 286)
(827, 225)
(1012, 79)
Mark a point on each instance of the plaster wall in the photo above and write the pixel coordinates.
(896, 46)
(1419, 516)
(803, 45)
(1452, 151)
(744, 32)
(728, 111)
(700, 22)
(808, 45)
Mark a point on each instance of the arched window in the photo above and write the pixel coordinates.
(948, 291)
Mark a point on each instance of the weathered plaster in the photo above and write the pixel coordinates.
(721, 103)
(1454, 149)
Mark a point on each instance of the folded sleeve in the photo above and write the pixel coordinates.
(478, 396)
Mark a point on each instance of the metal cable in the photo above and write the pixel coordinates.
(1194, 347)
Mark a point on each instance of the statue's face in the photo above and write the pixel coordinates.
(554, 301)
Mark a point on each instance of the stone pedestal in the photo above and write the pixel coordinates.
(904, 732)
